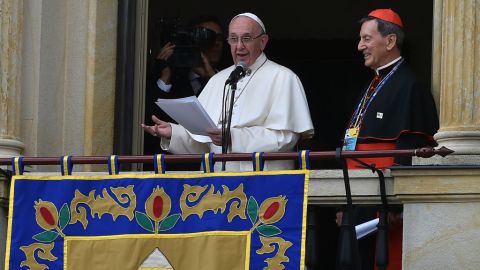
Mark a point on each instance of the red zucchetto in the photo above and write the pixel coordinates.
(387, 15)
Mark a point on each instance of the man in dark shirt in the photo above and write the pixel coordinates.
(182, 71)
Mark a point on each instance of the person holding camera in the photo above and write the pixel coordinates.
(269, 113)
(186, 62)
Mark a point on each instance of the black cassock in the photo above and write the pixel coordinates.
(402, 112)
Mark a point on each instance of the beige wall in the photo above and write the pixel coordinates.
(68, 79)
(442, 236)
(57, 81)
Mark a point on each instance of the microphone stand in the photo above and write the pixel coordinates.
(226, 130)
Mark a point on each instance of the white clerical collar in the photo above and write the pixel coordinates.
(258, 63)
(377, 71)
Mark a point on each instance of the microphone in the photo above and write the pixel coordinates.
(239, 72)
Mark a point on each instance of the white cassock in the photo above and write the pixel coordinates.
(270, 114)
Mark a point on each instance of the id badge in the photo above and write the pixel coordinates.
(350, 140)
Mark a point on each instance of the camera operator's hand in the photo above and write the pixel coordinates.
(159, 129)
(165, 52)
(205, 70)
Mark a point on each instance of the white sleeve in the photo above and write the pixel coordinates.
(260, 139)
(163, 86)
(182, 143)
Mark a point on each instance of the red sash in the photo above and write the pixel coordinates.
(380, 162)
(395, 239)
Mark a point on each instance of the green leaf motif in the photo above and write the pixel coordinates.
(64, 217)
(252, 209)
(169, 222)
(268, 230)
(144, 221)
(46, 236)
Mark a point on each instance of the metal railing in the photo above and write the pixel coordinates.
(314, 155)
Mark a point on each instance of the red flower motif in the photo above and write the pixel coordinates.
(272, 209)
(46, 214)
(158, 205)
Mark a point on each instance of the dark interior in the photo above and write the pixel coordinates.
(318, 41)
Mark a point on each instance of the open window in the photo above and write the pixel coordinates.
(318, 41)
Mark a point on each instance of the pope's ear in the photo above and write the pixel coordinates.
(391, 41)
(264, 41)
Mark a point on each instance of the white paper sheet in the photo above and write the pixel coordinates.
(366, 228)
(189, 113)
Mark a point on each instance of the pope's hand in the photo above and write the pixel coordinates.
(216, 135)
(159, 129)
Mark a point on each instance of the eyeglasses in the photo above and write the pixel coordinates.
(233, 40)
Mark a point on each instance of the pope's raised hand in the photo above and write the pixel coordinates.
(159, 128)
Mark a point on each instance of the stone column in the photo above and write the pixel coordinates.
(68, 78)
(441, 228)
(11, 16)
(457, 55)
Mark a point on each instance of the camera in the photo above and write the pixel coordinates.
(188, 42)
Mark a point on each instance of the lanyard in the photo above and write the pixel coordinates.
(362, 107)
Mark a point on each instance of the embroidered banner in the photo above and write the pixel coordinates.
(251, 220)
